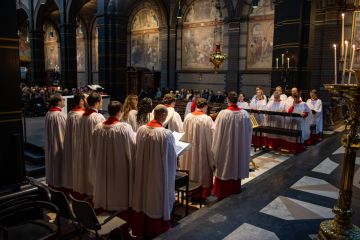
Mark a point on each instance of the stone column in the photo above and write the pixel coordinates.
(172, 59)
(11, 137)
(36, 38)
(232, 78)
(68, 55)
(112, 54)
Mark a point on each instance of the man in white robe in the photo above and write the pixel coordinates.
(296, 123)
(154, 177)
(231, 148)
(114, 148)
(55, 124)
(278, 89)
(191, 106)
(173, 121)
(72, 134)
(276, 105)
(199, 159)
(85, 166)
(290, 99)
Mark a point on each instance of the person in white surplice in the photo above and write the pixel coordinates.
(154, 177)
(130, 110)
(173, 121)
(242, 103)
(86, 166)
(278, 89)
(55, 124)
(276, 105)
(231, 148)
(199, 159)
(72, 134)
(296, 123)
(316, 116)
(290, 99)
(114, 148)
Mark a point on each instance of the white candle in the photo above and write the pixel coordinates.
(342, 33)
(277, 63)
(282, 59)
(351, 63)
(344, 66)
(288, 62)
(335, 65)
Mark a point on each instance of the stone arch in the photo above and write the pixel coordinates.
(42, 11)
(73, 8)
(157, 6)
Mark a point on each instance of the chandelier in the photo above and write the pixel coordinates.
(217, 57)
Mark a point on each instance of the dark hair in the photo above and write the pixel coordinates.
(93, 98)
(313, 91)
(201, 102)
(78, 97)
(168, 99)
(233, 97)
(55, 99)
(114, 108)
(144, 108)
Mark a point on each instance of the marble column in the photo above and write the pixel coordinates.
(11, 137)
(232, 78)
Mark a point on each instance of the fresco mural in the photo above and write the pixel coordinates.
(95, 50)
(145, 40)
(80, 47)
(24, 47)
(260, 36)
(51, 47)
(198, 34)
(356, 40)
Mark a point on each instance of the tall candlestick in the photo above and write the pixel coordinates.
(335, 65)
(277, 63)
(282, 59)
(344, 66)
(342, 33)
(288, 62)
(351, 63)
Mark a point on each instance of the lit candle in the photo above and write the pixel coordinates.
(277, 63)
(342, 33)
(282, 59)
(335, 65)
(288, 62)
(351, 63)
(344, 66)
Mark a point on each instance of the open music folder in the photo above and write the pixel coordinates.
(180, 146)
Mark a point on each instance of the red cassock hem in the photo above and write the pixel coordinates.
(258, 141)
(206, 191)
(293, 147)
(273, 142)
(314, 138)
(147, 227)
(224, 188)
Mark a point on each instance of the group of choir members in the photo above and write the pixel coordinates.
(311, 111)
(128, 162)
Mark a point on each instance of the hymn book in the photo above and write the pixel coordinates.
(180, 146)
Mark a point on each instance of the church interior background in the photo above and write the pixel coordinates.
(288, 43)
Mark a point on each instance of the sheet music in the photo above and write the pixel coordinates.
(177, 136)
(180, 147)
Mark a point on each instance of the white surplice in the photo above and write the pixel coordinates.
(154, 175)
(173, 121)
(317, 118)
(114, 147)
(257, 104)
(72, 135)
(296, 123)
(188, 109)
(243, 105)
(231, 144)
(198, 160)
(86, 166)
(132, 120)
(55, 124)
(273, 120)
(290, 101)
(283, 97)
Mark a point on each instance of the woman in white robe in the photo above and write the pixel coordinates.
(258, 103)
(130, 110)
(72, 133)
(142, 116)
(55, 124)
(198, 160)
(114, 147)
(231, 148)
(316, 116)
(242, 103)
(154, 177)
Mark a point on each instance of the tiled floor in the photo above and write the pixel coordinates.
(286, 198)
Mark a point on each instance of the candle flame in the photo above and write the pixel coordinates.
(353, 46)
(343, 14)
(334, 45)
(346, 42)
